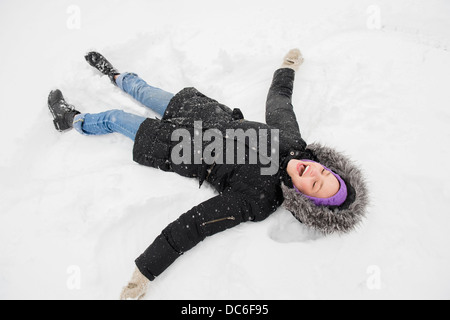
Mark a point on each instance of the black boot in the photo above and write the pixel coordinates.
(63, 113)
(100, 63)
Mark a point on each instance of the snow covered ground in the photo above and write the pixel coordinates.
(75, 211)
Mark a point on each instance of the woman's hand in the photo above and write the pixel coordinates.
(293, 60)
(136, 288)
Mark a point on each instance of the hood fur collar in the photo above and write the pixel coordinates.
(325, 219)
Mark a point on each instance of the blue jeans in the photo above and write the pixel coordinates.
(118, 120)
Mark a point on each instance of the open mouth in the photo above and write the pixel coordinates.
(302, 169)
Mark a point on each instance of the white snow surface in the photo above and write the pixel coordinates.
(75, 211)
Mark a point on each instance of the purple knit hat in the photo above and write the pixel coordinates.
(336, 200)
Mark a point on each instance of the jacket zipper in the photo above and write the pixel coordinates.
(218, 220)
(210, 170)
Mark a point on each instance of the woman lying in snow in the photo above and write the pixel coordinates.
(321, 187)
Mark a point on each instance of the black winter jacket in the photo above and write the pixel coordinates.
(243, 193)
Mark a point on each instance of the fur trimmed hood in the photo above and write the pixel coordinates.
(327, 219)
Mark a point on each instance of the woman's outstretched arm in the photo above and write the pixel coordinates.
(279, 109)
(208, 218)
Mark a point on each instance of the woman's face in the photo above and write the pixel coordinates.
(312, 179)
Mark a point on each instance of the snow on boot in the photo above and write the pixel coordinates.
(293, 60)
(100, 63)
(63, 113)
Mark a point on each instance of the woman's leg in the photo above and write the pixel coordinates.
(151, 97)
(108, 122)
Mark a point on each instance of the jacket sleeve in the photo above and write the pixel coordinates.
(210, 217)
(279, 109)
